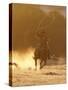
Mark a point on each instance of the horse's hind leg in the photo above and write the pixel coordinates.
(44, 62)
(41, 64)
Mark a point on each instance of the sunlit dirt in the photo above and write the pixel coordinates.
(25, 74)
(25, 60)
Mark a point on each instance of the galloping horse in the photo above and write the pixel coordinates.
(42, 53)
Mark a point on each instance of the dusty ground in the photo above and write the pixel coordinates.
(50, 74)
(54, 71)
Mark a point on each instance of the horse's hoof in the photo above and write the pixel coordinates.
(35, 69)
(40, 67)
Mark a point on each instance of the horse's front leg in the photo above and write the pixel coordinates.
(35, 64)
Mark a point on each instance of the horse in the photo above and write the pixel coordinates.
(42, 53)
